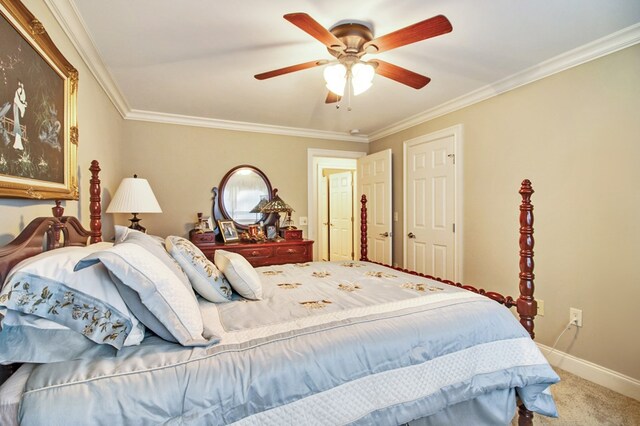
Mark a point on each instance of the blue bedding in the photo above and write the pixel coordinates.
(330, 343)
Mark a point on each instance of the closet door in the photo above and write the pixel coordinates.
(430, 208)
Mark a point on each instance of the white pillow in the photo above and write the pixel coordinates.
(86, 302)
(205, 278)
(243, 278)
(155, 292)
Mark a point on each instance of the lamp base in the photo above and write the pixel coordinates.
(136, 225)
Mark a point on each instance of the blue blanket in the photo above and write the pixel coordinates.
(331, 343)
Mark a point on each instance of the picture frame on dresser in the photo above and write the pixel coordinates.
(228, 231)
(271, 232)
(38, 97)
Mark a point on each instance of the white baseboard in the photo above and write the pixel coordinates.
(595, 373)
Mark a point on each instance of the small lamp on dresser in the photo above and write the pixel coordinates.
(277, 206)
(135, 196)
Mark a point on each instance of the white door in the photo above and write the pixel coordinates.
(374, 181)
(323, 207)
(430, 207)
(341, 216)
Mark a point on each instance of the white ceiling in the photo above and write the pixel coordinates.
(195, 59)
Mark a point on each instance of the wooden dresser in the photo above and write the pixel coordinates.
(258, 254)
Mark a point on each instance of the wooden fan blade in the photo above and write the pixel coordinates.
(401, 75)
(428, 28)
(332, 98)
(307, 24)
(287, 70)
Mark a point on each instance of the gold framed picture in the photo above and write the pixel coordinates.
(38, 93)
(228, 231)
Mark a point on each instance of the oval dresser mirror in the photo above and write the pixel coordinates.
(242, 192)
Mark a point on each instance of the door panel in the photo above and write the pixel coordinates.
(374, 181)
(430, 208)
(323, 208)
(341, 216)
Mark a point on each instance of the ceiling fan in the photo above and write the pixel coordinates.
(349, 43)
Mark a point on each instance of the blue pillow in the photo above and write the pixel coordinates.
(87, 302)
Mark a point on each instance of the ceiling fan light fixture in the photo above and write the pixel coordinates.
(361, 77)
(336, 78)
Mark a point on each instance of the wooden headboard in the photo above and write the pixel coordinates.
(47, 233)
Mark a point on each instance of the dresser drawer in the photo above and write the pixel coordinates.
(292, 254)
(254, 252)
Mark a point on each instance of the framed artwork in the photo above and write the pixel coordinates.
(228, 231)
(38, 93)
(271, 232)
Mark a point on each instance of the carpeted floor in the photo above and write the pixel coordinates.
(585, 403)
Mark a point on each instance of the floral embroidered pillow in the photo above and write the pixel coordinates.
(205, 278)
(87, 302)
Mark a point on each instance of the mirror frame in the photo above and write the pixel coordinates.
(219, 209)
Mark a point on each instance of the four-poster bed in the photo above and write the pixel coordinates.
(271, 351)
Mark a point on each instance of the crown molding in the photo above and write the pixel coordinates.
(609, 44)
(72, 24)
(185, 120)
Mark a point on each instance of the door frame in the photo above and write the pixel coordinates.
(457, 132)
(329, 159)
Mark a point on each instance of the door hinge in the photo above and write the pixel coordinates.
(452, 156)
(454, 228)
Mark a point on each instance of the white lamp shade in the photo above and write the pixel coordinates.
(134, 195)
(362, 75)
(336, 78)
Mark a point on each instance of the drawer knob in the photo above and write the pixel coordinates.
(291, 251)
(255, 253)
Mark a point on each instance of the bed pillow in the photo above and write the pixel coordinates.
(205, 278)
(86, 302)
(154, 245)
(29, 338)
(152, 290)
(243, 277)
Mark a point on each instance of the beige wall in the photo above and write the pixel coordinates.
(184, 163)
(101, 138)
(576, 136)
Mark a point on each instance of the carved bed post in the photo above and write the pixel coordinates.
(95, 205)
(526, 305)
(363, 228)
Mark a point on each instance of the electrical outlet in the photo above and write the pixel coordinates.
(395, 216)
(540, 307)
(575, 316)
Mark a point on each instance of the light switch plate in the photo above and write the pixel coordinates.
(303, 220)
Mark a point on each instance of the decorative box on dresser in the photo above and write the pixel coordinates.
(258, 254)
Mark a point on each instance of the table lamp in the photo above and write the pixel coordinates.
(134, 195)
(277, 206)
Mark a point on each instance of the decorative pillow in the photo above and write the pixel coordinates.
(243, 278)
(87, 302)
(207, 280)
(155, 246)
(159, 293)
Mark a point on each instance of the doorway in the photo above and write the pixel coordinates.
(319, 160)
(337, 206)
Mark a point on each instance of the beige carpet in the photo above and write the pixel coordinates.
(581, 402)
